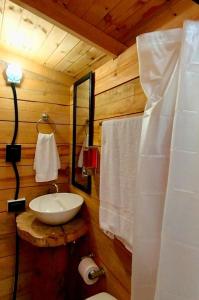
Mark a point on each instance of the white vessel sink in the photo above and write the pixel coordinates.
(58, 208)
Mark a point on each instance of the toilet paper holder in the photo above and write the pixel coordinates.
(96, 273)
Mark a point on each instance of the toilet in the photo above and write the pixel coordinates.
(102, 296)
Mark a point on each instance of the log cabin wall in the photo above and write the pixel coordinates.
(117, 94)
(42, 90)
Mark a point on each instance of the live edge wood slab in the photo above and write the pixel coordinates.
(38, 234)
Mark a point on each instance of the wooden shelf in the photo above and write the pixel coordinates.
(38, 234)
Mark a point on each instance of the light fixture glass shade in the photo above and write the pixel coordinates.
(14, 73)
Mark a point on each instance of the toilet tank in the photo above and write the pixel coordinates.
(101, 296)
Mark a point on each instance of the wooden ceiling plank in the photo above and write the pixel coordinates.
(51, 43)
(77, 26)
(11, 21)
(34, 30)
(63, 65)
(79, 7)
(2, 6)
(66, 45)
(99, 10)
(121, 10)
(171, 16)
(87, 60)
(77, 66)
(98, 63)
(80, 49)
(140, 12)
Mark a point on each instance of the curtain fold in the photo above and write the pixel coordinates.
(178, 274)
(158, 59)
(166, 228)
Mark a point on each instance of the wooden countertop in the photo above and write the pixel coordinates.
(39, 234)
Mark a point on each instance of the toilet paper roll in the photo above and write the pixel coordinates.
(87, 265)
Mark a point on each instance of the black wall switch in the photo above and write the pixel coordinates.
(13, 153)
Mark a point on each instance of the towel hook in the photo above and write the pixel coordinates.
(45, 119)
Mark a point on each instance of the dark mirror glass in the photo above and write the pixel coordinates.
(83, 110)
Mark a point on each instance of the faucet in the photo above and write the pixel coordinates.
(56, 187)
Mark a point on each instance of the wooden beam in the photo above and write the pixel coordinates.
(58, 14)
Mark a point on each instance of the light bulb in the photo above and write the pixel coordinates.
(14, 73)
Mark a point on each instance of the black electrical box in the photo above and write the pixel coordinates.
(13, 153)
(16, 205)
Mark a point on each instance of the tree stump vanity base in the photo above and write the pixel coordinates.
(51, 274)
(39, 234)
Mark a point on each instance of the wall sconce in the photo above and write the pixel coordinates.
(14, 73)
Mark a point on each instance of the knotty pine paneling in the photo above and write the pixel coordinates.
(28, 153)
(37, 94)
(118, 94)
(28, 133)
(56, 112)
(7, 245)
(117, 71)
(29, 192)
(27, 177)
(6, 286)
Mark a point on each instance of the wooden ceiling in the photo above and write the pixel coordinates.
(76, 36)
(110, 24)
(31, 36)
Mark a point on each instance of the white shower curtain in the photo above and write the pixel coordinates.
(166, 228)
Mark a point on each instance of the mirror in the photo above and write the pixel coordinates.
(83, 114)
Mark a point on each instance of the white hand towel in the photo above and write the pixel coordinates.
(46, 162)
(120, 146)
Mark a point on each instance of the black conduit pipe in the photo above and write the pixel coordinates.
(16, 113)
(14, 165)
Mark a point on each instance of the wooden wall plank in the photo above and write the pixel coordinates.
(119, 269)
(35, 83)
(26, 64)
(117, 71)
(118, 94)
(124, 100)
(56, 112)
(29, 192)
(28, 95)
(7, 244)
(6, 285)
(37, 94)
(27, 177)
(7, 224)
(28, 133)
(28, 153)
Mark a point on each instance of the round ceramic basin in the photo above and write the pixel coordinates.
(58, 208)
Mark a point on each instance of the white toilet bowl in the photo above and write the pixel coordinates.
(101, 296)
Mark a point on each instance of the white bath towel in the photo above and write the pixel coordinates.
(120, 146)
(46, 162)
